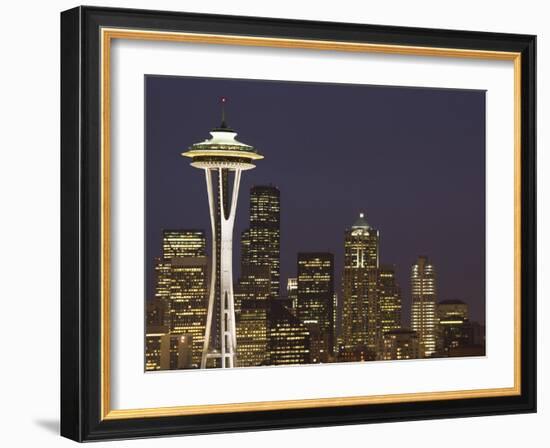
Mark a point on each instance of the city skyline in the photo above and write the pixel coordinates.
(315, 227)
(301, 328)
(206, 314)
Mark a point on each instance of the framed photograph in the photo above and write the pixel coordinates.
(276, 224)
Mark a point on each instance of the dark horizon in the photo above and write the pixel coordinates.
(412, 159)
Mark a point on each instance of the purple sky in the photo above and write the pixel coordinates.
(411, 159)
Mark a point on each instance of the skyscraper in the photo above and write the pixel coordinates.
(388, 301)
(316, 296)
(452, 308)
(176, 351)
(361, 259)
(292, 291)
(183, 243)
(400, 344)
(254, 284)
(157, 312)
(161, 283)
(223, 159)
(454, 327)
(260, 248)
(336, 320)
(153, 339)
(182, 284)
(260, 243)
(252, 333)
(288, 339)
(259, 280)
(423, 309)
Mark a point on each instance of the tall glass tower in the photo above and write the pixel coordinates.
(361, 261)
(262, 240)
(423, 311)
(223, 158)
(315, 300)
(182, 285)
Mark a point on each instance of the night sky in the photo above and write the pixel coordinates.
(412, 159)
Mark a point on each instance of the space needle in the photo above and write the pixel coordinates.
(223, 158)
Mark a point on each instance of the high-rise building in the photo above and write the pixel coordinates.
(161, 284)
(361, 259)
(245, 247)
(453, 332)
(423, 307)
(454, 329)
(157, 312)
(357, 353)
(316, 296)
(153, 338)
(252, 333)
(292, 291)
(260, 243)
(259, 280)
(452, 308)
(336, 319)
(254, 284)
(288, 340)
(400, 344)
(176, 351)
(182, 284)
(388, 301)
(182, 244)
(223, 159)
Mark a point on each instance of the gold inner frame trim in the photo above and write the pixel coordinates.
(107, 35)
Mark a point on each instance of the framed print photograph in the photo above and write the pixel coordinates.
(272, 223)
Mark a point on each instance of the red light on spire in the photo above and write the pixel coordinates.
(224, 99)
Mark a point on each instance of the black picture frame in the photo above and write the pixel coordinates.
(81, 224)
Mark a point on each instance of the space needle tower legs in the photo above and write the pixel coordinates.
(225, 212)
(221, 158)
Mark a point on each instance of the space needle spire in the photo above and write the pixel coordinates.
(222, 158)
(223, 101)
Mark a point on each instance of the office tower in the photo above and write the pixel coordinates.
(176, 351)
(454, 328)
(252, 333)
(182, 284)
(254, 284)
(153, 337)
(453, 332)
(423, 308)
(161, 282)
(288, 339)
(316, 296)
(181, 244)
(388, 301)
(400, 344)
(336, 318)
(361, 257)
(223, 160)
(157, 312)
(317, 345)
(264, 233)
(452, 308)
(358, 353)
(292, 292)
(260, 247)
(245, 247)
